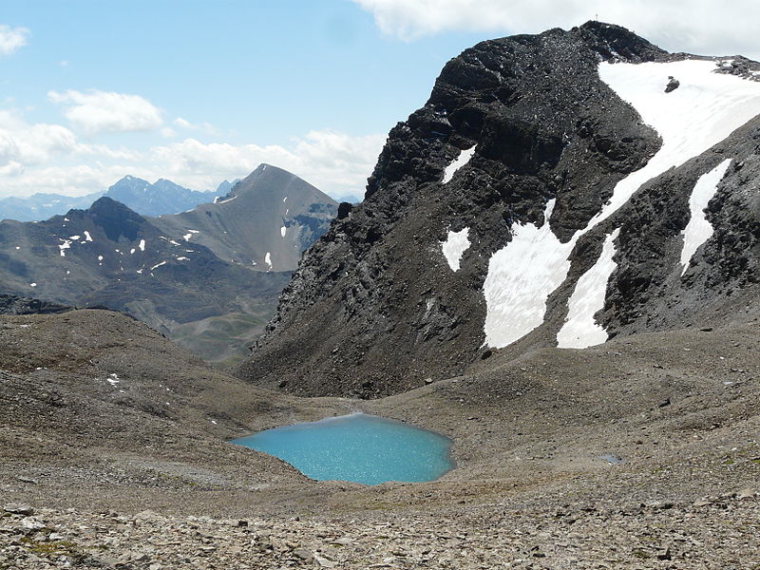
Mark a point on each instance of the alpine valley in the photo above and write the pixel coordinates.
(555, 265)
(174, 272)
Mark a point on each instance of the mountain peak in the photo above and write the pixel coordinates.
(540, 198)
(116, 219)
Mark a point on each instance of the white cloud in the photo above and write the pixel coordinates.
(32, 143)
(336, 163)
(107, 112)
(206, 128)
(42, 157)
(699, 26)
(11, 39)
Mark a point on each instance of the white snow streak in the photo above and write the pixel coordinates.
(581, 329)
(703, 111)
(454, 247)
(142, 245)
(699, 230)
(268, 260)
(157, 265)
(462, 159)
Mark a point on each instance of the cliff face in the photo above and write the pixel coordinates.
(541, 197)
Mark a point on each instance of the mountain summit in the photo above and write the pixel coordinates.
(266, 221)
(556, 190)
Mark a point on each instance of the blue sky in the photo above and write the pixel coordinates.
(198, 91)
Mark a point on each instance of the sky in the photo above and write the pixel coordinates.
(202, 91)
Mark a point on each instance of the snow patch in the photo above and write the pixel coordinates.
(699, 230)
(217, 201)
(521, 276)
(142, 245)
(454, 247)
(87, 236)
(183, 258)
(268, 260)
(581, 329)
(64, 246)
(462, 158)
(32, 284)
(157, 265)
(113, 379)
(75, 238)
(283, 229)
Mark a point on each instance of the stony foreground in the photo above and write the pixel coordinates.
(718, 532)
(641, 453)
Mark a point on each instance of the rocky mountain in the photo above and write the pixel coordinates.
(161, 197)
(557, 189)
(266, 220)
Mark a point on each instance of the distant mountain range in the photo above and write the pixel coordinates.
(209, 278)
(157, 199)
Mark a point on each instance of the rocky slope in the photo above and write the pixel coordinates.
(555, 190)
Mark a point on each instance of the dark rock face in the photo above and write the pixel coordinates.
(13, 305)
(374, 307)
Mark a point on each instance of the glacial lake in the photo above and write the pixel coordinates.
(358, 447)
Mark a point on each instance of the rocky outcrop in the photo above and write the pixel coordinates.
(13, 305)
(541, 141)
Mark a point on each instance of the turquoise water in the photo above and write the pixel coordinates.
(359, 447)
